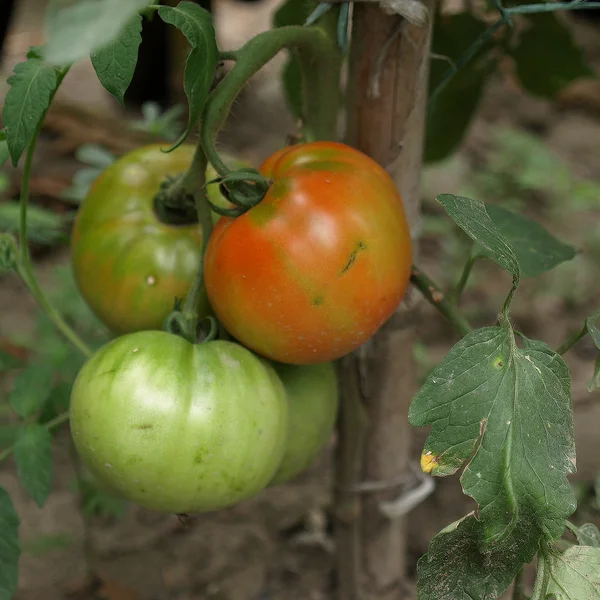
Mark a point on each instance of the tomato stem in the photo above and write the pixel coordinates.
(24, 267)
(320, 63)
(464, 277)
(434, 295)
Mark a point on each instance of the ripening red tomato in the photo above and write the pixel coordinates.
(314, 269)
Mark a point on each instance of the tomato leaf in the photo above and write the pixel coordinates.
(33, 457)
(31, 389)
(201, 64)
(293, 12)
(547, 58)
(10, 550)
(594, 382)
(32, 86)
(505, 411)
(4, 153)
(593, 330)
(8, 435)
(574, 574)
(115, 63)
(451, 112)
(587, 534)
(75, 30)
(458, 565)
(536, 250)
(472, 217)
(97, 502)
(8, 252)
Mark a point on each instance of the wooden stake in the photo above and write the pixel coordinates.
(387, 93)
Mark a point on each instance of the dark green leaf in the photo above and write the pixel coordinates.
(115, 63)
(31, 390)
(471, 216)
(450, 114)
(58, 401)
(33, 457)
(201, 64)
(459, 566)
(592, 327)
(547, 58)
(505, 411)
(76, 30)
(587, 535)
(8, 252)
(8, 435)
(8, 361)
(574, 574)
(536, 250)
(32, 86)
(4, 153)
(9, 547)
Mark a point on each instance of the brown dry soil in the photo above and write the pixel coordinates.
(277, 545)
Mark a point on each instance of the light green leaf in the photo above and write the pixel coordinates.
(31, 389)
(75, 30)
(32, 86)
(201, 64)
(115, 63)
(593, 330)
(44, 226)
(587, 534)
(594, 382)
(10, 550)
(547, 58)
(459, 566)
(574, 574)
(33, 457)
(8, 252)
(95, 156)
(471, 216)
(536, 250)
(506, 412)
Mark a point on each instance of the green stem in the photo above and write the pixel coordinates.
(539, 589)
(320, 63)
(572, 340)
(52, 424)
(464, 278)
(228, 55)
(433, 294)
(24, 266)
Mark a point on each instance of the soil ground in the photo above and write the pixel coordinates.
(276, 546)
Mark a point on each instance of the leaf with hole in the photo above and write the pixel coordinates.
(10, 550)
(536, 250)
(74, 30)
(574, 574)
(31, 389)
(506, 412)
(547, 59)
(201, 63)
(32, 87)
(33, 457)
(471, 216)
(115, 63)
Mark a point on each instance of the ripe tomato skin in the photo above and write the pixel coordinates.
(128, 265)
(313, 398)
(177, 427)
(313, 270)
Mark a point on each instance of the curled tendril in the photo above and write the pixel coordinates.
(177, 324)
(244, 188)
(226, 212)
(213, 331)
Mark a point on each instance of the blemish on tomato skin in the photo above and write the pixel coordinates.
(352, 258)
(318, 301)
(144, 426)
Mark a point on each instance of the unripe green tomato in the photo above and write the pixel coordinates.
(313, 397)
(178, 427)
(129, 265)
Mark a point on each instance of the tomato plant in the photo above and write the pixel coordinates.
(178, 427)
(130, 265)
(312, 394)
(314, 269)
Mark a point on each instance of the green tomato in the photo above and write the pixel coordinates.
(128, 264)
(178, 427)
(313, 397)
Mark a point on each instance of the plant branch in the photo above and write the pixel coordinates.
(228, 55)
(436, 297)
(464, 278)
(320, 63)
(572, 340)
(50, 425)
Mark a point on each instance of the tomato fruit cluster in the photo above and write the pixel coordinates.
(302, 278)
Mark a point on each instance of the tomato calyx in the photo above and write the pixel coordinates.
(173, 205)
(244, 188)
(190, 328)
